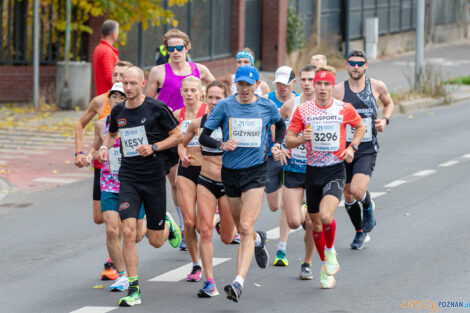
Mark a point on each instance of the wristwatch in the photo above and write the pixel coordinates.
(387, 120)
(277, 145)
(354, 146)
(154, 147)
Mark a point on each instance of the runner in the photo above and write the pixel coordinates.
(294, 176)
(109, 182)
(100, 106)
(165, 85)
(363, 92)
(105, 57)
(210, 191)
(284, 79)
(244, 118)
(189, 167)
(246, 57)
(318, 60)
(146, 127)
(323, 123)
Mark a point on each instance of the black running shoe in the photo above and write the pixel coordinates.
(233, 291)
(261, 254)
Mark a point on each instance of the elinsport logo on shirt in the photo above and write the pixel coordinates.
(121, 122)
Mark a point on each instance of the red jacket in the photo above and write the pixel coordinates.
(105, 57)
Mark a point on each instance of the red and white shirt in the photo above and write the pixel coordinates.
(329, 130)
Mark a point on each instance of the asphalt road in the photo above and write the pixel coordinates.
(52, 253)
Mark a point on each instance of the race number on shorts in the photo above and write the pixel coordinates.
(114, 160)
(325, 137)
(131, 138)
(184, 127)
(247, 131)
(367, 136)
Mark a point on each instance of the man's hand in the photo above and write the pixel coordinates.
(103, 155)
(145, 150)
(80, 160)
(88, 159)
(348, 154)
(307, 135)
(380, 124)
(229, 145)
(281, 155)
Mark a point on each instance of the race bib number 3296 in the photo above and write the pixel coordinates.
(325, 137)
(131, 138)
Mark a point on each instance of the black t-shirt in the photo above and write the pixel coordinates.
(147, 124)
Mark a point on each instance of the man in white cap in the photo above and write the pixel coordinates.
(284, 79)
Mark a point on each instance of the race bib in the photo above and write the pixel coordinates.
(367, 136)
(325, 137)
(299, 153)
(247, 131)
(217, 135)
(114, 160)
(131, 138)
(184, 127)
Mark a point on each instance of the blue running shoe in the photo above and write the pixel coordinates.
(209, 290)
(368, 219)
(183, 244)
(358, 242)
(233, 291)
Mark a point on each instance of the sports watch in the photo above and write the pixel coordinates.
(354, 146)
(154, 147)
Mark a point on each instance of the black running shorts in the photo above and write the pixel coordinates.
(96, 185)
(151, 193)
(362, 164)
(237, 181)
(322, 181)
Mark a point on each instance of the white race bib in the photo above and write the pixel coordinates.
(325, 136)
(217, 135)
(184, 127)
(247, 131)
(299, 153)
(115, 160)
(367, 136)
(131, 138)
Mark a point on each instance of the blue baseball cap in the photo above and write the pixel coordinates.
(247, 73)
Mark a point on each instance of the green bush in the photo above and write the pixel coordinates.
(295, 31)
(462, 80)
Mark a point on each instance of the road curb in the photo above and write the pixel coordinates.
(425, 103)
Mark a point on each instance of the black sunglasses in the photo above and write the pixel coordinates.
(172, 48)
(358, 63)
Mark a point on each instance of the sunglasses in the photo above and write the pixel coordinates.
(358, 63)
(178, 48)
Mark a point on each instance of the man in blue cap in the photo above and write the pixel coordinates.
(244, 118)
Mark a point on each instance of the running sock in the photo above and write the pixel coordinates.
(109, 260)
(211, 280)
(332, 249)
(319, 239)
(366, 200)
(239, 280)
(198, 263)
(257, 240)
(330, 231)
(282, 246)
(134, 283)
(180, 217)
(122, 273)
(354, 212)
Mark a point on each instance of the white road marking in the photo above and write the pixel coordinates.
(448, 163)
(466, 156)
(274, 233)
(55, 180)
(375, 195)
(94, 309)
(181, 272)
(424, 173)
(395, 183)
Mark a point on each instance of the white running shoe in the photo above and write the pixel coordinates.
(121, 284)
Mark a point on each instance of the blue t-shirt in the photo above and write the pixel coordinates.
(273, 98)
(248, 124)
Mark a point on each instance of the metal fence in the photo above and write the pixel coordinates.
(16, 33)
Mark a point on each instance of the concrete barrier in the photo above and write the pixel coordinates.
(79, 83)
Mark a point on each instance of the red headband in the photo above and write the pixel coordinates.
(324, 76)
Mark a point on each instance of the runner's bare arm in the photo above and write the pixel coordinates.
(153, 82)
(359, 131)
(386, 100)
(206, 75)
(108, 142)
(338, 91)
(97, 142)
(293, 140)
(286, 109)
(91, 111)
(191, 131)
(264, 87)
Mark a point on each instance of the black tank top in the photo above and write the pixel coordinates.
(365, 104)
(216, 134)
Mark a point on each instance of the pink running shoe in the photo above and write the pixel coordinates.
(195, 274)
